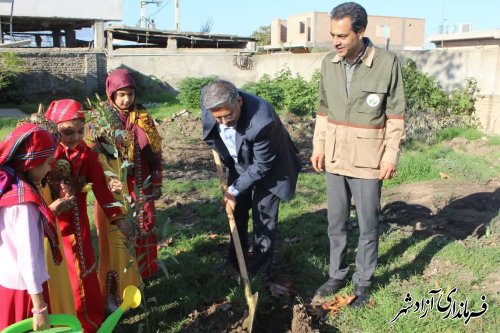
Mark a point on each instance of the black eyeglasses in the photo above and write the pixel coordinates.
(229, 117)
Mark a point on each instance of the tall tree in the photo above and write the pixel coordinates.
(263, 35)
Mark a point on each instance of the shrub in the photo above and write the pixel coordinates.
(422, 91)
(288, 92)
(431, 108)
(462, 100)
(425, 125)
(268, 89)
(10, 66)
(190, 88)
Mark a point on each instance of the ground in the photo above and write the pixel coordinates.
(446, 207)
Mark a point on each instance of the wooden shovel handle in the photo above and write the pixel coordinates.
(232, 221)
(220, 171)
(237, 244)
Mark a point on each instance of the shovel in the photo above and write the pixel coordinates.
(251, 299)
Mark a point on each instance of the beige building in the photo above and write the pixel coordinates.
(311, 31)
(490, 38)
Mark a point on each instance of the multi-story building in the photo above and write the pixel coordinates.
(311, 31)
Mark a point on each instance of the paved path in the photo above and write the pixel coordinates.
(12, 113)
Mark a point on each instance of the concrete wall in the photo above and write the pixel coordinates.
(173, 67)
(450, 67)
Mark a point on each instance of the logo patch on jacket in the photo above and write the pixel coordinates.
(373, 100)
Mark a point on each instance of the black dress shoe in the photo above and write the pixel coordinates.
(362, 296)
(259, 264)
(329, 287)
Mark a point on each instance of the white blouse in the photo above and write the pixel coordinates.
(22, 257)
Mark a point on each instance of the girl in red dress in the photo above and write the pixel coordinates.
(77, 166)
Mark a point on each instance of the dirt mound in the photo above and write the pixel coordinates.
(301, 322)
(221, 318)
(215, 318)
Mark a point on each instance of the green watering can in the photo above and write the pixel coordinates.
(58, 322)
(70, 324)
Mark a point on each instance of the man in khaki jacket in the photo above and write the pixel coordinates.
(359, 127)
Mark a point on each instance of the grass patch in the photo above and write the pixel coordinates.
(164, 106)
(494, 141)
(6, 126)
(455, 132)
(463, 166)
(421, 163)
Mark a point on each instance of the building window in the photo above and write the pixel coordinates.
(302, 27)
(382, 31)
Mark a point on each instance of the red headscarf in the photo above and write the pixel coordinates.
(118, 79)
(25, 148)
(64, 110)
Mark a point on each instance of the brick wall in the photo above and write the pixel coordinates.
(70, 73)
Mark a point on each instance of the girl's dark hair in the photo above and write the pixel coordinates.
(353, 10)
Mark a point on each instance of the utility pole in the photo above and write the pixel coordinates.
(443, 27)
(177, 16)
(143, 14)
(144, 22)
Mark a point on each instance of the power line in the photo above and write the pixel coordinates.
(166, 3)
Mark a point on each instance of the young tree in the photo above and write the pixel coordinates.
(207, 26)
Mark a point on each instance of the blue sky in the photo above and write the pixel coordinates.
(243, 17)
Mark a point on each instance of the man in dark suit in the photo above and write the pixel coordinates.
(262, 161)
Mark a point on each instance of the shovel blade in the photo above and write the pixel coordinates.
(252, 307)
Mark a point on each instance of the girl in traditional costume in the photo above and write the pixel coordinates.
(143, 151)
(25, 157)
(77, 166)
